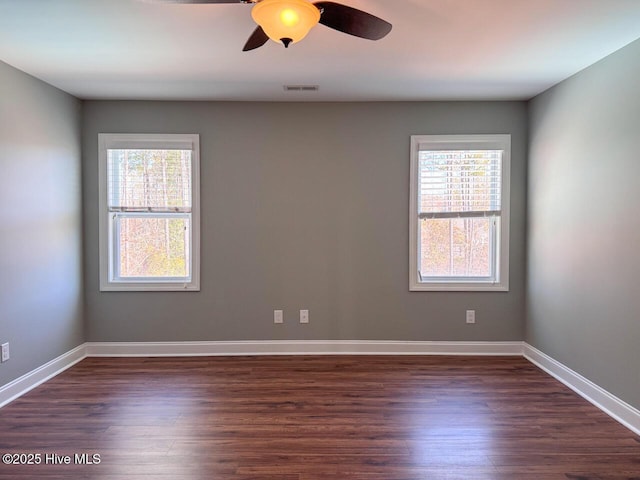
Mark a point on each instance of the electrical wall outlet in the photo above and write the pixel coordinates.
(471, 316)
(304, 316)
(278, 316)
(5, 352)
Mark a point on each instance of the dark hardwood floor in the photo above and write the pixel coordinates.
(312, 418)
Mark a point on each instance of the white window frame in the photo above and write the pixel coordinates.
(501, 253)
(107, 243)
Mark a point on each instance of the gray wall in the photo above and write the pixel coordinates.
(304, 206)
(584, 225)
(40, 222)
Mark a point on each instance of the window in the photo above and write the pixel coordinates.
(459, 213)
(149, 215)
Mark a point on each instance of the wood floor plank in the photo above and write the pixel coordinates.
(315, 417)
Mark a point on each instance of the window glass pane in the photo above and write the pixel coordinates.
(153, 247)
(141, 179)
(459, 181)
(458, 247)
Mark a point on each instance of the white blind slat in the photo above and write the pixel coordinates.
(150, 209)
(150, 143)
(444, 215)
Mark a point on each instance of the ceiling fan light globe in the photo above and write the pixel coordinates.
(290, 19)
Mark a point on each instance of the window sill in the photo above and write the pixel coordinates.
(458, 287)
(149, 287)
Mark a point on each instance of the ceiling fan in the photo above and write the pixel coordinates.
(289, 21)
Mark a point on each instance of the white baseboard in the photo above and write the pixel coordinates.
(617, 409)
(300, 347)
(32, 379)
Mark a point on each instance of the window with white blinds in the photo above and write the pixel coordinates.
(149, 219)
(459, 212)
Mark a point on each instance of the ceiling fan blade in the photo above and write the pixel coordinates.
(257, 39)
(193, 1)
(352, 21)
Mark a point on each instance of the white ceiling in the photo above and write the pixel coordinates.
(438, 49)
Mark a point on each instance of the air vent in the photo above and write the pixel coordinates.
(301, 88)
